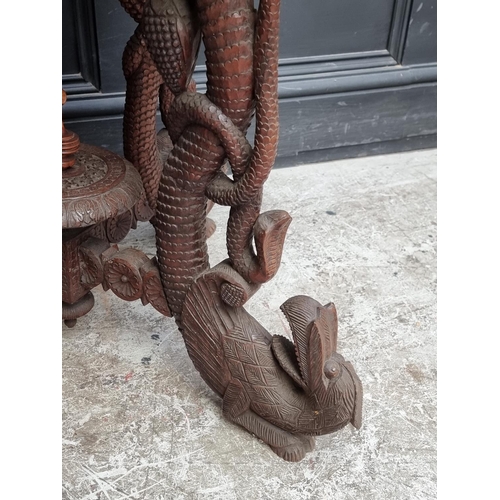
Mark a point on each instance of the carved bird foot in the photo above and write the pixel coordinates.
(288, 446)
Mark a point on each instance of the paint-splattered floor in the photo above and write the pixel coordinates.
(139, 423)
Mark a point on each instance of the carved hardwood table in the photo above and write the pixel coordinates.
(283, 392)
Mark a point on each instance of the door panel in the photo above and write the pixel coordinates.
(318, 28)
(421, 46)
(364, 52)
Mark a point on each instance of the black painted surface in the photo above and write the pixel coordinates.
(114, 28)
(358, 151)
(80, 61)
(356, 76)
(421, 45)
(318, 27)
(325, 122)
(70, 62)
(347, 119)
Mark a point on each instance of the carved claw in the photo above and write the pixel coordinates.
(236, 407)
(295, 452)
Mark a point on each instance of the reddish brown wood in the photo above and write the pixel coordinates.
(284, 392)
(123, 273)
(281, 392)
(102, 198)
(153, 289)
(70, 143)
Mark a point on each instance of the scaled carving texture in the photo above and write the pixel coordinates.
(285, 393)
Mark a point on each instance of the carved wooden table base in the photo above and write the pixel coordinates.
(102, 199)
(283, 392)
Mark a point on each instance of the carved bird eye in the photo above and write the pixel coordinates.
(331, 369)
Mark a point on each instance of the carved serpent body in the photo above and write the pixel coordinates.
(228, 33)
(157, 63)
(278, 394)
(226, 110)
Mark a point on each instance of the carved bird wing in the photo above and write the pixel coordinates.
(314, 331)
(285, 354)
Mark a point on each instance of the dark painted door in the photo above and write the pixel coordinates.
(356, 76)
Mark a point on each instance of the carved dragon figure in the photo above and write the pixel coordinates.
(283, 392)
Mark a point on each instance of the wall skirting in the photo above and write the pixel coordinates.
(320, 111)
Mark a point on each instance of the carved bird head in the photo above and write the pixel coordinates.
(314, 364)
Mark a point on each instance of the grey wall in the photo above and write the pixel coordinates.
(357, 77)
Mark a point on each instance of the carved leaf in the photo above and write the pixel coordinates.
(254, 375)
(231, 349)
(246, 353)
(237, 370)
(264, 395)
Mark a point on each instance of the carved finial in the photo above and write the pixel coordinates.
(70, 143)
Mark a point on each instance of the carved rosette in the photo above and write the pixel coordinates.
(118, 227)
(131, 275)
(122, 273)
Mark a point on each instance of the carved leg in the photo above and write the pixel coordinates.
(277, 390)
(71, 312)
(290, 447)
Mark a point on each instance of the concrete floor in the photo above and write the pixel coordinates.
(139, 423)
